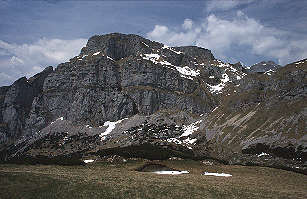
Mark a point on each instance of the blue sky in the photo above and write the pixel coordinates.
(36, 34)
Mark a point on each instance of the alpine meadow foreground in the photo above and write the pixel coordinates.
(121, 180)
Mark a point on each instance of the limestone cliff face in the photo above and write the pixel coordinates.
(127, 95)
(117, 76)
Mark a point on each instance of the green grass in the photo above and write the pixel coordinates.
(106, 180)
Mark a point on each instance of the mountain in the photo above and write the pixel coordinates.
(129, 96)
(263, 67)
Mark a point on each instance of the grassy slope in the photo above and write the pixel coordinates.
(106, 180)
(270, 116)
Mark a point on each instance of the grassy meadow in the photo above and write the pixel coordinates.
(121, 180)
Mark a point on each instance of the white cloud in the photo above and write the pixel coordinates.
(173, 38)
(224, 5)
(159, 31)
(221, 35)
(187, 24)
(17, 60)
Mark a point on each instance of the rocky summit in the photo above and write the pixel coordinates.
(128, 96)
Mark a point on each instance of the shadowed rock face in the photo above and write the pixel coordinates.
(3, 91)
(126, 95)
(119, 46)
(18, 100)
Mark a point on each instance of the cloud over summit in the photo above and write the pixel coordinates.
(240, 32)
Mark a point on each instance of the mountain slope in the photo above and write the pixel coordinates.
(126, 95)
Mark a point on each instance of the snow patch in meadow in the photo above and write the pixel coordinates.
(171, 172)
(88, 161)
(262, 154)
(217, 174)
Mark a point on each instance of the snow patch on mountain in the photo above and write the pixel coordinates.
(111, 126)
(110, 58)
(301, 62)
(145, 44)
(169, 48)
(59, 119)
(269, 72)
(188, 130)
(156, 59)
(228, 71)
(187, 72)
(218, 88)
(97, 53)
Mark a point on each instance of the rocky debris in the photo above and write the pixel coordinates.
(289, 151)
(63, 137)
(175, 158)
(207, 162)
(114, 159)
(268, 160)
